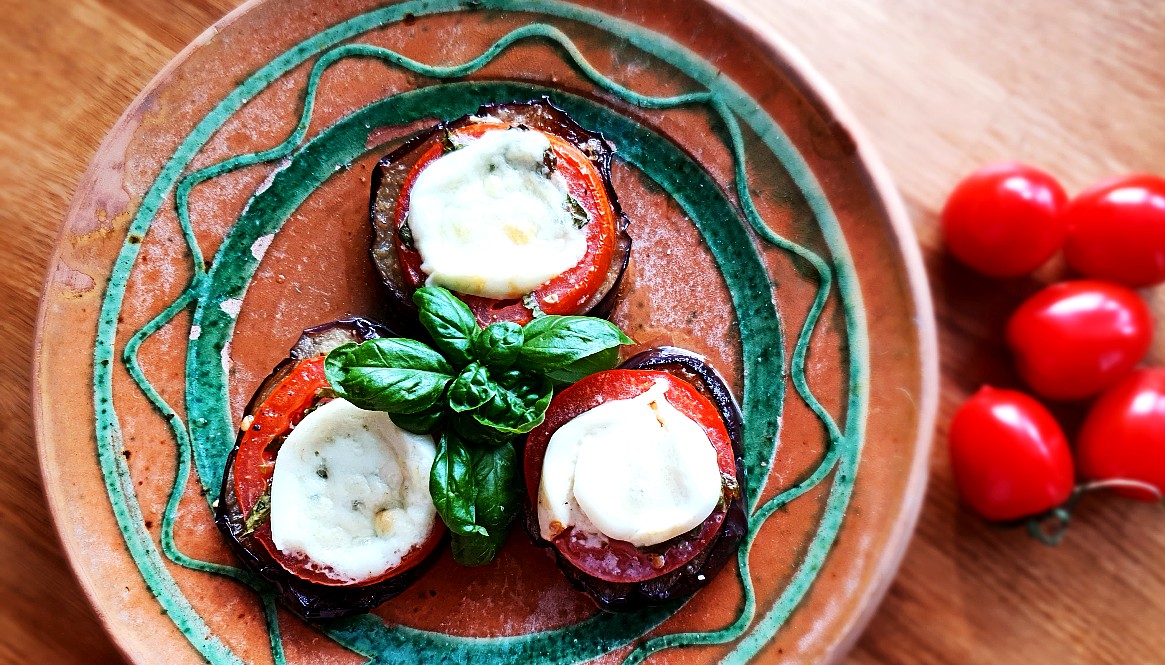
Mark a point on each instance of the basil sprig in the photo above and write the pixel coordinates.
(479, 389)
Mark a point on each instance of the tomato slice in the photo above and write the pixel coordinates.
(616, 560)
(563, 294)
(254, 465)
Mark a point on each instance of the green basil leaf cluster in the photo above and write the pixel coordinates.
(480, 389)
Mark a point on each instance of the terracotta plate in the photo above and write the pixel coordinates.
(227, 211)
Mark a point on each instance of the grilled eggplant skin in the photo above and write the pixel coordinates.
(307, 599)
(389, 175)
(687, 579)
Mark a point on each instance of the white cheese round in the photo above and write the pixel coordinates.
(350, 491)
(636, 470)
(487, 221)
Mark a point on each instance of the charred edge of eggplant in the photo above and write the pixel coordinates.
(308, 599)
(382, 216)
(699, 571)
(537, 114)
(608, 295)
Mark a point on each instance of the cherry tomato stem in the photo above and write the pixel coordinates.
(1050, 527)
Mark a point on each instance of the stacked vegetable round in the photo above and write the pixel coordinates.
(1072, 340)
(580, 157)
(616, 574)
(297, 386)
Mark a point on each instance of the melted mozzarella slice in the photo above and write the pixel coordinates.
(636, 470)
(351, 491)
(488, 222)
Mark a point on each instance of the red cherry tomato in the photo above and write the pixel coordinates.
(1123, 437)
(616, 560)
(1009, 456)
(1074, 339)
(1004, 219)
(1117, 230)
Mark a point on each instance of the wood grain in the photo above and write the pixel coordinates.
(941, 87)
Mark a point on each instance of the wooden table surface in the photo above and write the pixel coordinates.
(941, 87)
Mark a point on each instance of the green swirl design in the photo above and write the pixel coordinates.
(209, 434)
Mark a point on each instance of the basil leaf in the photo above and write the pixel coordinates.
(497, 504)
(406, 236)
(451, 484)
(498, 345)
(553, 342)
(448, 320)
(467, 427)
(496, 477)
(530, 302)
(476, 550)
(417, 423)
(518, 406)
(260, 513)
(388, 374)
(448, 143)
(585, 366)
(578, 214)
(471, 388)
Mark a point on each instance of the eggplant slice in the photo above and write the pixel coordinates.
(389, 175)
(308, 599)
(696, 573)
